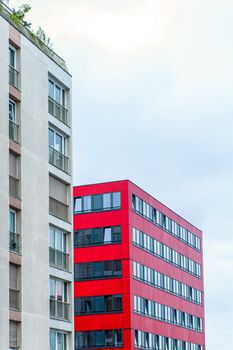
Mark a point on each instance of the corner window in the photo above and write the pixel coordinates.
(57, 93)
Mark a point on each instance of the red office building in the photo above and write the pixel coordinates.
(138, 272)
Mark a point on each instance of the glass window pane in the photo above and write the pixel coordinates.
(51, 138)
(59, 290)
(59, 237)
(98, 235)
(87, 203)
(12, 57)
(52, 288)
(78, 205)
(52, 237)
(116, 234)
(12, 114)
(51, 89)
(98, 267)
(116, 199)
(58, 143)
(57, 94)
(97, 202)
(106, 200)
(52, 340)
(12, 221)
(107, 234)
(99, 304)
(99, 339)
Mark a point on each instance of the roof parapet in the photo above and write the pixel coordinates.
(6, 13)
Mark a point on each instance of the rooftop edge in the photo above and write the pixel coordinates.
(6, 12)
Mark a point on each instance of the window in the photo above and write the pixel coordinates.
(58, 340)
(13, 126)
(98, 304)
(99, 339)
(58, 290)
(99, 202)
(13, 74)
(59, 307)
(58, 248)
(12, 57)
(14, 237)
(98, 270)
(14, 301)
(58, 150)
(57, 93)
(13, 335)
(12, 221)
(12, 111)
(97, 236)
(57, 239)
(57, 141)
(57, 101)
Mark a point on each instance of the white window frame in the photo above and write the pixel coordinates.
(62, 100)
(12, 211)
(56, 232)
(64, 141)
(14, 119)
(13, 49)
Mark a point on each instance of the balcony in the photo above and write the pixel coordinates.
(14, 299)
(58, 111)
(58, 159)
(58, 259)
(59, 309)
(14, 77)
(58, 209)
(13, 131)
(14, 187)
(14, 242)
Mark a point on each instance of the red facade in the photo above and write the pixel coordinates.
(167, 313)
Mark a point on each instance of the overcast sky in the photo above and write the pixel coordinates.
(152, 102)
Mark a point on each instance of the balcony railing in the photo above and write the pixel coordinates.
(59, 309)
(14, 299)
(13, 131)
(14, 187)
(58, 209)
(58, 159)
(13, 77)
(58, 259)
(14, 242)
(57, 110)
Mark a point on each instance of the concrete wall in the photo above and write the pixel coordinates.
(34, 68)
(35, 188)
(4, 186)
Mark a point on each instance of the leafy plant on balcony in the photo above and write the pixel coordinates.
(44, 38)
(18, 16)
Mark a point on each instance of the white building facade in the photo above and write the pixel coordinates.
(36, 274)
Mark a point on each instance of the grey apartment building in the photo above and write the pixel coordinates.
(35, 193)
